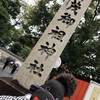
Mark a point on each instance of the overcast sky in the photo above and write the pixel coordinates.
(33, 1)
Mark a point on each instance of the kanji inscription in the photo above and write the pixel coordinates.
(75, 5)
(48, 50)
(66, 18)
(42, 58)
(57, 34)
(35, 68)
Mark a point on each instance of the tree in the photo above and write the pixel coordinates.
(9, 18)
(81, 53)
(21, 51)
(37, 17)
(4, 18)
(8, 11)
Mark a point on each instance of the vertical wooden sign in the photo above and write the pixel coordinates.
(43, 57)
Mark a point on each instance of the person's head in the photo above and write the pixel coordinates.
(63, 86)
(69, 82)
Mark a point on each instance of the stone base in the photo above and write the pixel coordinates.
(12, 88)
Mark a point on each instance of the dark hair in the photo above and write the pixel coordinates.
(69, 82)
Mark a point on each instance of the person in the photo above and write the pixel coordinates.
(63, 86)
(16, 65)
(9, 60)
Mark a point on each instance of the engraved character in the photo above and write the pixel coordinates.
(57, 34)
(75, 6)
(66, 18)
(35, 69)
(48, 50)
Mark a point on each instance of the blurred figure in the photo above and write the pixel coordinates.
(9, 60)
(16, 65)
(62, 86)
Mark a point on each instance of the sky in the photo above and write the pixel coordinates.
(33, 1)
(30, 1)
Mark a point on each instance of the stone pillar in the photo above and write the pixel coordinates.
(44, 55)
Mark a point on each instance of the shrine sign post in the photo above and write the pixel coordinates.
(44, 55)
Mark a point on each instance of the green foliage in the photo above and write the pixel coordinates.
(24, 52)
(28, 40)
(17, 46)
(3, 13)
(4, 18)
(9, 18)
(8, 10)
(12, 6)
(39, 15)
(11, 36)
(20, 50)
(81, 53)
